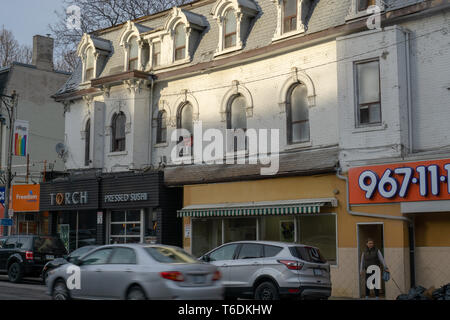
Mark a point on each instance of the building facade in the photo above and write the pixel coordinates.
(313, 92)
(34, 85)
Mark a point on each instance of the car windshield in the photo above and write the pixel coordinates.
(308, 254)
(170, 255)
(48, 244)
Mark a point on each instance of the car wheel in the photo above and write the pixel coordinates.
(266, 291)
(60, 291)
(15, 272)
(136, 293)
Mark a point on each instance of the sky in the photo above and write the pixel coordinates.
(26, 18)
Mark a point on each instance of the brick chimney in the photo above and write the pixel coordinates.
(43, 52)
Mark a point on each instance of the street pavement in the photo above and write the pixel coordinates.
(29, 289)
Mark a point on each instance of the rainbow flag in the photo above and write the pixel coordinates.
(21, 129)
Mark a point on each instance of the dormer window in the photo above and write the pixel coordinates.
(364, 4)
(136, 49)
(180, 42)
(181, 34)
(156, 49)
(292, 16)
(89, 64)
(234, 19)
(133, 54)
(230, 29)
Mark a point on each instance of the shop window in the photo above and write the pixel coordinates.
(180, 42)
(251, 251)
(298, 115)
(125, 227)
(118, 132)
(161, 135)
(98, 257)
(368, 93)
(207, 236)
(133, 56)
(87, 144)
(364, 4)
(123, 256)
(278, 228)
(320, 232)
(77, 229)
(239, 229)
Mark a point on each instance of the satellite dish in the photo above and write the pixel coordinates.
(60, 149)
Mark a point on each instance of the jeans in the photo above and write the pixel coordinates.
(377, 292)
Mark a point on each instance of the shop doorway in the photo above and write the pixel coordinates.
(374, 231)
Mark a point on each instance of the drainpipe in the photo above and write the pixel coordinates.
(409, 90)
(150, 119)
(381, 216)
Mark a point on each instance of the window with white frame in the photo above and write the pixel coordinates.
(185, 121)
(133, 54)
(89, 65)
(87, 144)
(291, 17)
(156, 54)
(298, 126)
(161, 134)
(180, 42)
(364, 4)
(234, 19)
(368, 93)
(237, 123)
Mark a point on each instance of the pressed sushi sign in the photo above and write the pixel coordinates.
(402, 182)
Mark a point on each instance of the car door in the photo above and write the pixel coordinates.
(247, 263)
(9, 248)
(118, 273)
(3, 255)
(222, 257)
(91, 267)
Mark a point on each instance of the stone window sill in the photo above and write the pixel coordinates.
(370, 128)
(118, 154)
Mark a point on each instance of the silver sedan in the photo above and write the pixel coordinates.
(136, 272)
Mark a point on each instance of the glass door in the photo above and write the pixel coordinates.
(125, 226)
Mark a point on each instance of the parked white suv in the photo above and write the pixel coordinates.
(271, 270)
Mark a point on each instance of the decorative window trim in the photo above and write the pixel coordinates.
(236, 89)
(133, 30)
(100, 47)
(186, 97)
(354, 13)
(303, 7)
(242, 9)
(192, 21)
(297, 77)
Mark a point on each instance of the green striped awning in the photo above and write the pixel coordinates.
(253, 209)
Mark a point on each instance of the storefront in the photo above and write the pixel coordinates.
(73, 206)
(27, 218)
(272, 210)
(139, 209)
(419, 191)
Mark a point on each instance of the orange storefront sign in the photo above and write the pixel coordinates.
(402, 182)
(25, 198)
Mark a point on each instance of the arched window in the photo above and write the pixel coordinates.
(161, 135)
(89, 72)
(230, 24)
(298, 115)
(236, 115)
(118, 132)
(289, 15)
(180, 42)
(87, 144)
(133, 54)
(185, 121)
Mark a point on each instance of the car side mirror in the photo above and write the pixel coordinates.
(206, 258)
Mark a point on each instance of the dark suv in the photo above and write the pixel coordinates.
(25, 256)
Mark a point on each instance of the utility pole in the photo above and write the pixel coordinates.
(11, 108)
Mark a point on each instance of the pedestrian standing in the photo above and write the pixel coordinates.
(371, 256)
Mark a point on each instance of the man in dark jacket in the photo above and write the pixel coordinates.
(371, 256)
